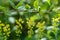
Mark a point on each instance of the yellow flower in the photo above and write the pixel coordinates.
(17, 22)
(2, 24)
(5, 29)
(7, 25)
(18, 31)
(17, 26)
(8, 29)
(40, 26)
(30, 22)
(20, 19)
(55, 19)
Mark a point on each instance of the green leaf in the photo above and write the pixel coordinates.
(44, 8)
(19, 4)
(36, 4)
(12, 4)
(1, 7)
(49, 2)
(27, 6)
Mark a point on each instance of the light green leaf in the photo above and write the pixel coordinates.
(27, 6)
(19, 4)
(49, 2)
(36, 4)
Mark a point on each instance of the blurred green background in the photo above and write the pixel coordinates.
(29, 19)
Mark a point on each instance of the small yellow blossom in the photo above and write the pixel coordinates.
(5, 29)
(20, 19)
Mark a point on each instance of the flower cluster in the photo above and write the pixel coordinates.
(55, 21)
(30, 24)
(54, 29)
(40, 29)
(19, 26)
(40, 26)
(4, 30)
(55, 24)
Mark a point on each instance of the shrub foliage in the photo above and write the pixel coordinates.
(29, 19)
